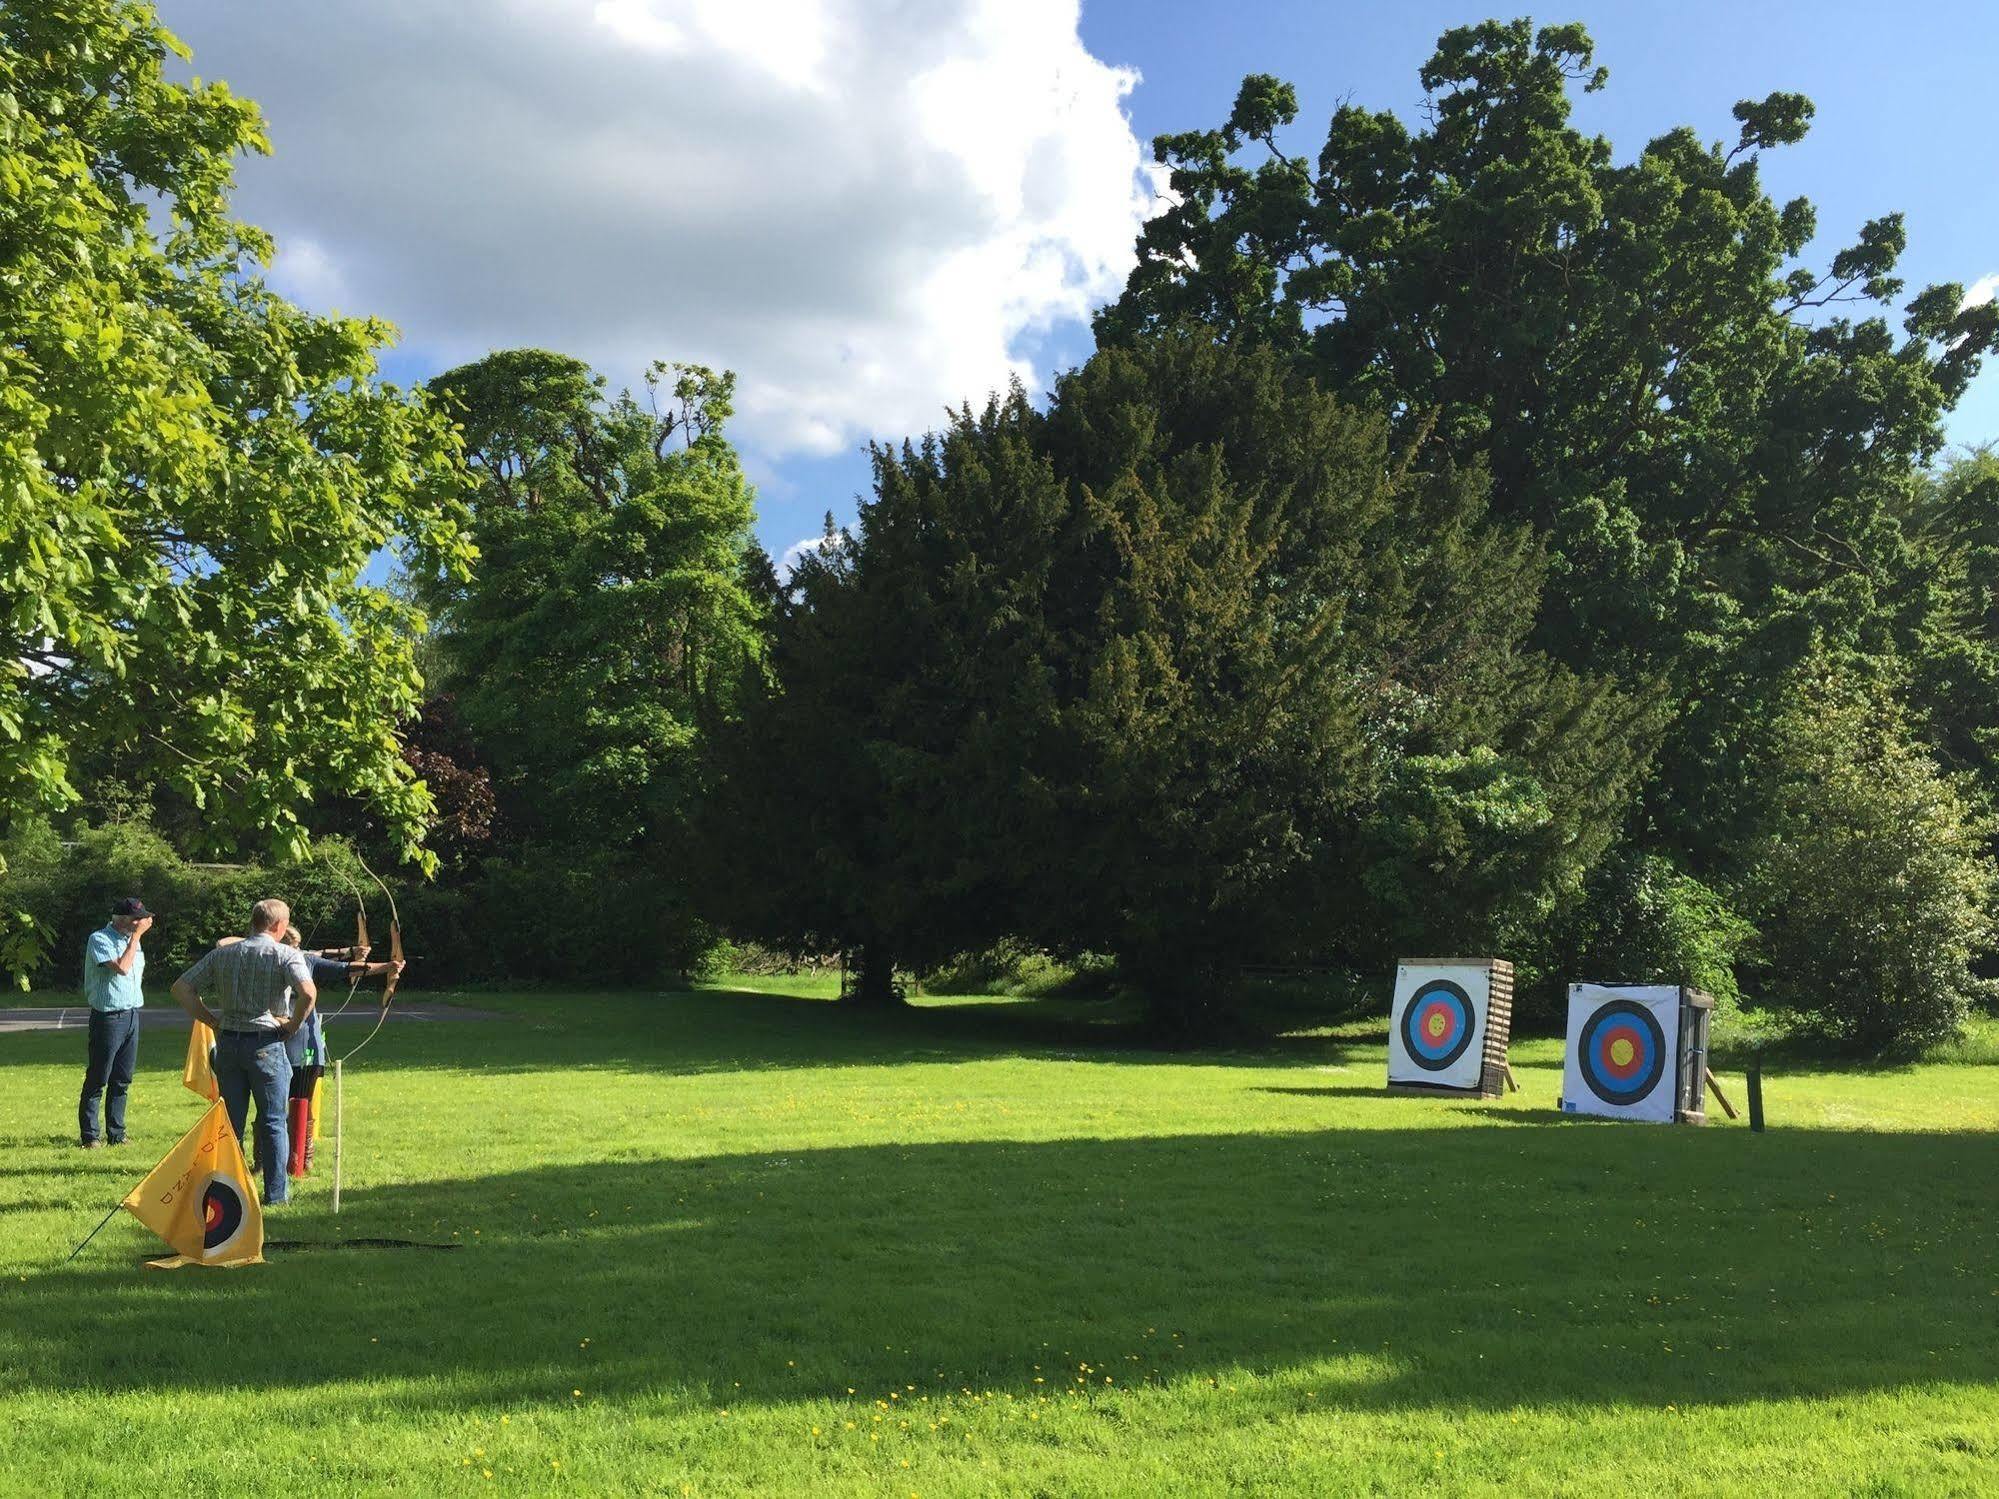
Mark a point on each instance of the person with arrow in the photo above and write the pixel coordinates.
(307, 1046)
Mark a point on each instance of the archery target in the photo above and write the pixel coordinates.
(1436, 1029)
(223, 1215)
(1623, 1059)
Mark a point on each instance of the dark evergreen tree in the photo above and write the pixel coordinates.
(1163, 672)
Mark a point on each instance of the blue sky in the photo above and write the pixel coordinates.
(1904, 118)
(683, 202)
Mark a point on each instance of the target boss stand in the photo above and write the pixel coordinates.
(1638, 1051)
(1449, 1025)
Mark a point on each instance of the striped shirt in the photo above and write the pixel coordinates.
(249, 983)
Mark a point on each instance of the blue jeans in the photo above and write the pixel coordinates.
(114, 1051)
(257, 1064)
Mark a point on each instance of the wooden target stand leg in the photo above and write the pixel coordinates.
(1720, 1098)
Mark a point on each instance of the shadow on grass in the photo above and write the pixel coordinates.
(1409, 1268)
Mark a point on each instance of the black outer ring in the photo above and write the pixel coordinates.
(1409, 1020)
(1625, 1097)
(231, 1223)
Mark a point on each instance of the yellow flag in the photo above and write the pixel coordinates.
(197, 1074)
(199, 1198)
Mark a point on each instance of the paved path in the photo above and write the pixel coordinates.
(171, 1016)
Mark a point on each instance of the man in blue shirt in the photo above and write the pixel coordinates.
(114, 968)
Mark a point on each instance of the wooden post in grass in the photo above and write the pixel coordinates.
(339, 1114)
(1756, 1093)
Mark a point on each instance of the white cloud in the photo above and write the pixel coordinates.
(797, 552)
(308, 273)
(1983, 290)
(863, 206)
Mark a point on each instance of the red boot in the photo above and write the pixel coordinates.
(301, 1128)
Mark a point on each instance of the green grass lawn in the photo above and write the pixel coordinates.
(742, 1243)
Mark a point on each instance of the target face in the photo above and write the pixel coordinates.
(1437, 1025)
(1436, 1031)
(1623, 1052)
(223, 1215)
(1620, 1062)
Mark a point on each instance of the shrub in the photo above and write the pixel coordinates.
(505, 921)
(1015, 968)
(1642, 920)
(1873, 884)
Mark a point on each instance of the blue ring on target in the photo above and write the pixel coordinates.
(1448, 1001)
(1621, 1086)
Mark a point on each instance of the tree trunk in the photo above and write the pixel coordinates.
(874, 979)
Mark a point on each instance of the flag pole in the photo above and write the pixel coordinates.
(93, 1233)
(339, 1115)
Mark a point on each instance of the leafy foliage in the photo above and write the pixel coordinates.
(193, 472)
(68, 885)
(1640, 920)
(1946, 610)
(1873, 885)
(611, 602)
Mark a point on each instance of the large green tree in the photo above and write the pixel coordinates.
(615, 596)
(1712, 436)
(1166, 671)
(193, 471)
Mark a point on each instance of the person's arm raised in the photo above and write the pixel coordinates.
(122, 964)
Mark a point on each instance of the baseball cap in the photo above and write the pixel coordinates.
(131, 905)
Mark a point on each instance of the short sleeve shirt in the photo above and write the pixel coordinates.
(249, 983)
(102, 986)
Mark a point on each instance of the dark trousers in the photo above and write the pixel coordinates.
(255, 1066)
(114, 1052)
